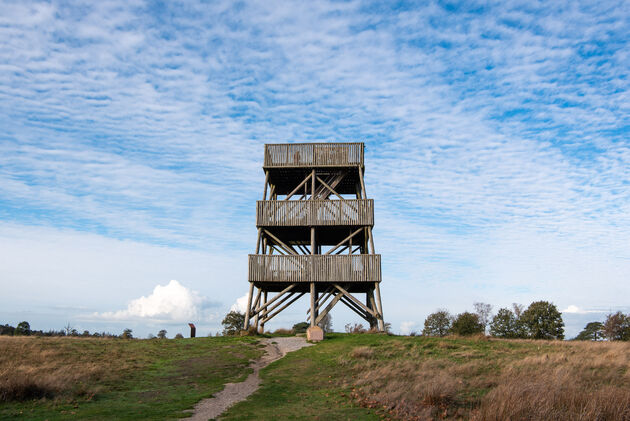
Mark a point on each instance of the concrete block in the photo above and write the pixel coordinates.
(314, 334)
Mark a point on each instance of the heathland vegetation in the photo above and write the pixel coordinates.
(347, 376)
(476, 365)
(368, 376)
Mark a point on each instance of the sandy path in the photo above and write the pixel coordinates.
(211, 408)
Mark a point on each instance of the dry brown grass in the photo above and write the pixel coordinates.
(583, 381)
(35, 368)
(282, 331)
(482, 380)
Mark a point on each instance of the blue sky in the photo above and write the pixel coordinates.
(497, 150)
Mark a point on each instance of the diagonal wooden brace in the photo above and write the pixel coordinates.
(359, 303)
(268, 303)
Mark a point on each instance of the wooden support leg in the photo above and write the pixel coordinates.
(262, 323)
(371, 304)
(379, 305)
(249, 305)
(316, 306)
(255, 305)
(313, 318)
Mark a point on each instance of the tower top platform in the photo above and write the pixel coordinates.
(313, 155)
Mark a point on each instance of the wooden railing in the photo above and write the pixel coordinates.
(314, 155)
(315, 268)
(289, 213)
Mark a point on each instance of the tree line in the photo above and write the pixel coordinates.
(24, 329)
(541, 320)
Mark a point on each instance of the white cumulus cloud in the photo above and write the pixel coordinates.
(169, 302)
(240, 305)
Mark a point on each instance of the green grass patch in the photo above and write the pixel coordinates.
(141, 379)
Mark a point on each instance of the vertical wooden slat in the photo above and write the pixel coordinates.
(313, 154)
(315, 212)
(320, 268)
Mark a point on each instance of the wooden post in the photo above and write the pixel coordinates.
(262, 323)
(258, 240)
(249, 305)
(312, 304)
(255, 305)
(371, 239)
(363, 192)
(266, 181)
(381, 323)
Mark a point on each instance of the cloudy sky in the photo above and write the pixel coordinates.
(497, 152)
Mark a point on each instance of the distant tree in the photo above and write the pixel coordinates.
(74, 332)
(23, 328)
(162, 334)
(127, 334)
(150, 336)
(179, 336)
(466, 324)
(518, 309)
(484, 313)
(326, 323)
(300, 327)
(542, 320)
(437, 323)
(617, 327)
(233, 323)
(505, 324)
(7, 330)
(593, 331)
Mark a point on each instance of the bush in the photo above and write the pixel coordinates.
(467, 324)
(356, 328)
(300, 327)
(283, 331)
(179, 336)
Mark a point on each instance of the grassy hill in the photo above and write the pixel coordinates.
(359, 377)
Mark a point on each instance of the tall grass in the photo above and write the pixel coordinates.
(34, 368)
(484, 379)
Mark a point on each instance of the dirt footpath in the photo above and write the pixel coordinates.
(211, 408)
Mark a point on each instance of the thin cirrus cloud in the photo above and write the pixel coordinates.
(496, 135)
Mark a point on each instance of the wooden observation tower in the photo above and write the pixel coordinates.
(314, 235)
